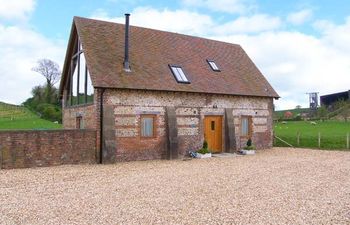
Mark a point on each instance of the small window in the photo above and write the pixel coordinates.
(245, 126)
(213, 65)
(79, 122)
(179, 74)
(147, 126)
(212, 125)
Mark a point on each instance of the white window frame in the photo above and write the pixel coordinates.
(148, 116)
(213, 65)
(248, 120)
(179, 74)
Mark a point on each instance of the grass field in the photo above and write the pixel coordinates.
(18, 117)
(333, 134)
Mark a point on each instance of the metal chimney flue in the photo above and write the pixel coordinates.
(126, 44)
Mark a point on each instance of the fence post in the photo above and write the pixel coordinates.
(0, 157)
(298, 138)
(347, 141)
(319, 139)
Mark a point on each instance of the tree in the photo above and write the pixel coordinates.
(288, 115)
(50, 111)
(322, 112)
(343, 109)
(51, 71)
(298, 107)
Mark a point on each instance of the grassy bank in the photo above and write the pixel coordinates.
(18, 117)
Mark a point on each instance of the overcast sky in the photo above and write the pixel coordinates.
(300, 46)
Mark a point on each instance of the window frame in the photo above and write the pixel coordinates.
(171, 66)
(79, 124)
(209, 61)
(73, 84)
(250, 126)
(154, 117)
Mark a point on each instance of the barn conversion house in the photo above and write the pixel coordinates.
(153, 94)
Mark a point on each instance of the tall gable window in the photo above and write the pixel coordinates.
(213, 65)
(179, 74)
(79, 87)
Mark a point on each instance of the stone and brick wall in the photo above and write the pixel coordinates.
(21, 149)
(86, 112)
(89, 114)
(191, 108)
(128, 106)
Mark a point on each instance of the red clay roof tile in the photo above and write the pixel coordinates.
(151, 51)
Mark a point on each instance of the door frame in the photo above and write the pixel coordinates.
(222, 148)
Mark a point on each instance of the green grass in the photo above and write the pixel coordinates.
(14, 117)
(333, 134)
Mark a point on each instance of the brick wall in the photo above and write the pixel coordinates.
(86, 112)
(90, 116)
(21, 149)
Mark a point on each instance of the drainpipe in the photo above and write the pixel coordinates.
(101, 125)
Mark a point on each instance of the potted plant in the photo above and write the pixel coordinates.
(204, 151)
(249, 149)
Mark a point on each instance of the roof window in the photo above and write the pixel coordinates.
(179, 74)
(213, 65)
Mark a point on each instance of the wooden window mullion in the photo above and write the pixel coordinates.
(71, 83)
(85, 85)
(78, 74)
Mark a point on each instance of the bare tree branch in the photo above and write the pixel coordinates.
(49, 69)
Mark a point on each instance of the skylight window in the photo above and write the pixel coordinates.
(213, 65)
(179, 74)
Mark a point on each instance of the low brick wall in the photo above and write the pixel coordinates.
(22, 149)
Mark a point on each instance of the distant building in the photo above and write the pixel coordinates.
(329, 100)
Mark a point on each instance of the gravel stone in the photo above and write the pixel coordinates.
(275, 186)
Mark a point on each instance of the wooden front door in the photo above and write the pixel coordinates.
(213, 132)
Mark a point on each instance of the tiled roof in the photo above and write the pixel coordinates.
(150, 53)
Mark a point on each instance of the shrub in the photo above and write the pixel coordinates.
(249, 142)
(203, 151)
(49, 112)
(252, 147)
(249, 145)
(205, 144)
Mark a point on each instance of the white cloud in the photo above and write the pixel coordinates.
(16, 9)
(200, 24)
(337, 36)
(296, 63)
(255, 23)
(182, 21)
(20, 48)
(300, 17)
(228, 6)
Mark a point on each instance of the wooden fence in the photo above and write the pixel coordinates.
(314, 141)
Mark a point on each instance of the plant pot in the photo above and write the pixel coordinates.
(203, 156)
(247, 152)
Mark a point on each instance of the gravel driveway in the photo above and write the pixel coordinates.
(277, 186)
